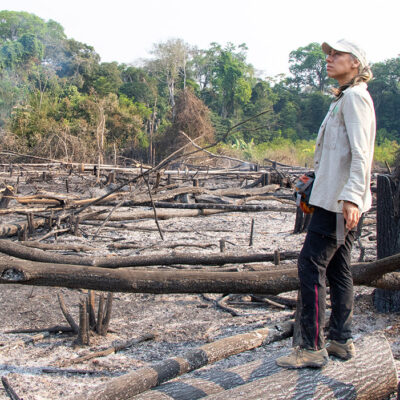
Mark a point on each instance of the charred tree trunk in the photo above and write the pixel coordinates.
(140, 380)
(388, 237)
(161, 281)
(263, 379)
(358, 378)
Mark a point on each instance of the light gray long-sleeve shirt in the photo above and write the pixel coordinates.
(344, 152)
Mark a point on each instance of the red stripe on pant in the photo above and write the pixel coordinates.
(316, 317)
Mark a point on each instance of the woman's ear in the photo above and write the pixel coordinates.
(356, 64)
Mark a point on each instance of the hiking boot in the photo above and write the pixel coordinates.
(345, 351)
(302, 358)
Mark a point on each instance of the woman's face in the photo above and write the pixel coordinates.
(341, 66)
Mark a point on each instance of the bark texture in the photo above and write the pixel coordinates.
(20, 251)
(138, 381)
(144, 281)
(358, 378)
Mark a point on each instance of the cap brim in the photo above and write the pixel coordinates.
(326, 48)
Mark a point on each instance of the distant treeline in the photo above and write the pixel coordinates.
(58, 100)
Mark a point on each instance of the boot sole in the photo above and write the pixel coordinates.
(309, 365)
(345, 358)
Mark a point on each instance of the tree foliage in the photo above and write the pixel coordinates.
(58, 99)
(307, 64)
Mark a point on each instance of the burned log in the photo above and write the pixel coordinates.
(8, 230)
(358, 378)
(226, 207)
(139, 281)
(19, 251)
(299, 383)
(161, 214)
(138, 381)
(6, 197)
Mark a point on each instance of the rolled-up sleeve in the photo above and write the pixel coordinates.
(358, 115)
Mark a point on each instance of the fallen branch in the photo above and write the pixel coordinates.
(161, 214)
(218, 304)
(67, 315)
(57, 246)
(25, 342)
(110, 350)
(50, 329)
(9, 390)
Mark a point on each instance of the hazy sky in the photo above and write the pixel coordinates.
(124, 31)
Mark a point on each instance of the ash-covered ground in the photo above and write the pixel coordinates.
(180, 322)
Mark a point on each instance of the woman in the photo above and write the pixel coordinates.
(341, 193)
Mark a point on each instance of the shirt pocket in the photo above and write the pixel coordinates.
(331, 134)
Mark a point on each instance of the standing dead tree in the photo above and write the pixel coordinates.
(388, 231)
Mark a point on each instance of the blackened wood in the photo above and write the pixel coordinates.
(91, 310)
(7, 195)
(226, 207)
(387, 235)
(251, 232)
(138, 381)
(110, 350)
(29, 340)
(83, 336)
(153, 207)
(287, 302)
(151, 281)
(67, 315)
(19, 251)
(9, 390)
(277, 257)
(100, 315)
(219, 304)
(387, 218)
(107, 316)
(50, 329)
(217, 379)
(298, 223)
(58, 246)
(355, 379)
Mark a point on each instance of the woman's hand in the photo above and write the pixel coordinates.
(351, 214)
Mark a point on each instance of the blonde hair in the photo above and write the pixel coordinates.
(364, 75)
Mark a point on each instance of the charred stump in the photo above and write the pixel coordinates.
(388, 236)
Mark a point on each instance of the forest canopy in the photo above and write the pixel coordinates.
(58, 100)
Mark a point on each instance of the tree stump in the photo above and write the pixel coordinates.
(388, 237)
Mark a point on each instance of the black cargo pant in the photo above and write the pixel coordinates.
(320, 259)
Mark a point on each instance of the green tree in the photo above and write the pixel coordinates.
(308, 66)
(170, 65)
(259, 129)
(231, 79)
(385, 91)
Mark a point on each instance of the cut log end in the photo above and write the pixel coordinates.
(13, 275)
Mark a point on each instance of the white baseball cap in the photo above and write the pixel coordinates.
(346, 46)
